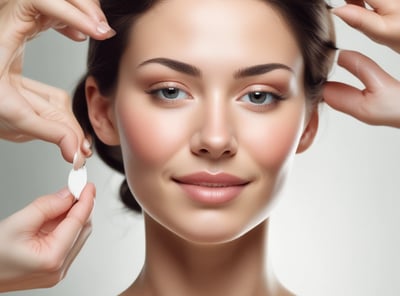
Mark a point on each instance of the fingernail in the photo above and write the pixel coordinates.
(104, 28)
(335, 63)
(81, 36)
(63, 193)
(79, 161)
(87, 146)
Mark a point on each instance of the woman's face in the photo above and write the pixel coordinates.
(209, 111)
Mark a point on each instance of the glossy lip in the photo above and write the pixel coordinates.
(211, 188)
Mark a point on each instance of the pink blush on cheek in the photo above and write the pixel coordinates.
(277, 142)
(150, 137)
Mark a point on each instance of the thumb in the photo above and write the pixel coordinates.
(365, 69)
(344, 98)
(43, 209)
(374, 104)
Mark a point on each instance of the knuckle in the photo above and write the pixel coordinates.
(53, 115)
(53, 264)
(62, 97)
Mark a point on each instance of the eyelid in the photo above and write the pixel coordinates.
(158, 86)
(166, 84)
(263, 88)
(260, 108)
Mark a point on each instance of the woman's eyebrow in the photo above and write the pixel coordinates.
(260, 69)
(194, 71)
(175, 65)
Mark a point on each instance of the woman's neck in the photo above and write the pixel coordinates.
(174, 266)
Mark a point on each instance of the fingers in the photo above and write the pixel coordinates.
(365, 69)
(52, 129)
(21, 20)
(43, 209)
(68, 231)
(344, 98)
(54, 106)
(80, 241)
(84, 16)
(364, 20)
(377, 104)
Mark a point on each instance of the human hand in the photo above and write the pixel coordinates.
(39, 243)
(377, 104)
(29, 109)
(381, 24)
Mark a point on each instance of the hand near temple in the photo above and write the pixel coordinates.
(381, 24)
(379, 102)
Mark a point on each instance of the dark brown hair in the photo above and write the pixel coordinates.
(311, 24)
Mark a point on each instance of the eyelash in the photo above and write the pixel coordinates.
(266, 95)
(159, 93)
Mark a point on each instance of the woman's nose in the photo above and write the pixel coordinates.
(215, 137)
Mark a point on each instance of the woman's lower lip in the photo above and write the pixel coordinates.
(211, 195)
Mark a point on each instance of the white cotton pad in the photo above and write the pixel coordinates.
(77, 180)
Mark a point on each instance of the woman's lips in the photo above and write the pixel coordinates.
(211, 189)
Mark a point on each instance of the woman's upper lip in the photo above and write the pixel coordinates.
(211, 180)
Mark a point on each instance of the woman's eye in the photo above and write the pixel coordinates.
(170, 93)
(260, 98)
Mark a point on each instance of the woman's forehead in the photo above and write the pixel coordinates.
(221, 29)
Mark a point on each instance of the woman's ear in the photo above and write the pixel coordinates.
(309, 132)
(101, 113)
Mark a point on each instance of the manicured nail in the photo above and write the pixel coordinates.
(87, 147)
(63, 193)
(104, 28)
(81, 36)
(79, 161)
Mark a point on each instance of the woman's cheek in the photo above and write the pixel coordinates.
(149, 136)
(275, 140)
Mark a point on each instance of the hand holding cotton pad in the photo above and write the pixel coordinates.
(77, 180)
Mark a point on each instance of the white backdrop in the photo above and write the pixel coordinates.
(335, 233)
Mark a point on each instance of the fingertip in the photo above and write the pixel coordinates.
(87, 148)
(68, 144)
(104, 29)
(91, 189)
(63, 193)
(89, 192)
(349, 13)
(79, 160)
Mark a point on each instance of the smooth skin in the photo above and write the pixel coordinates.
(29, 109)
(379, 102)
(81, 20)
(39, 243)
(212, 125)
